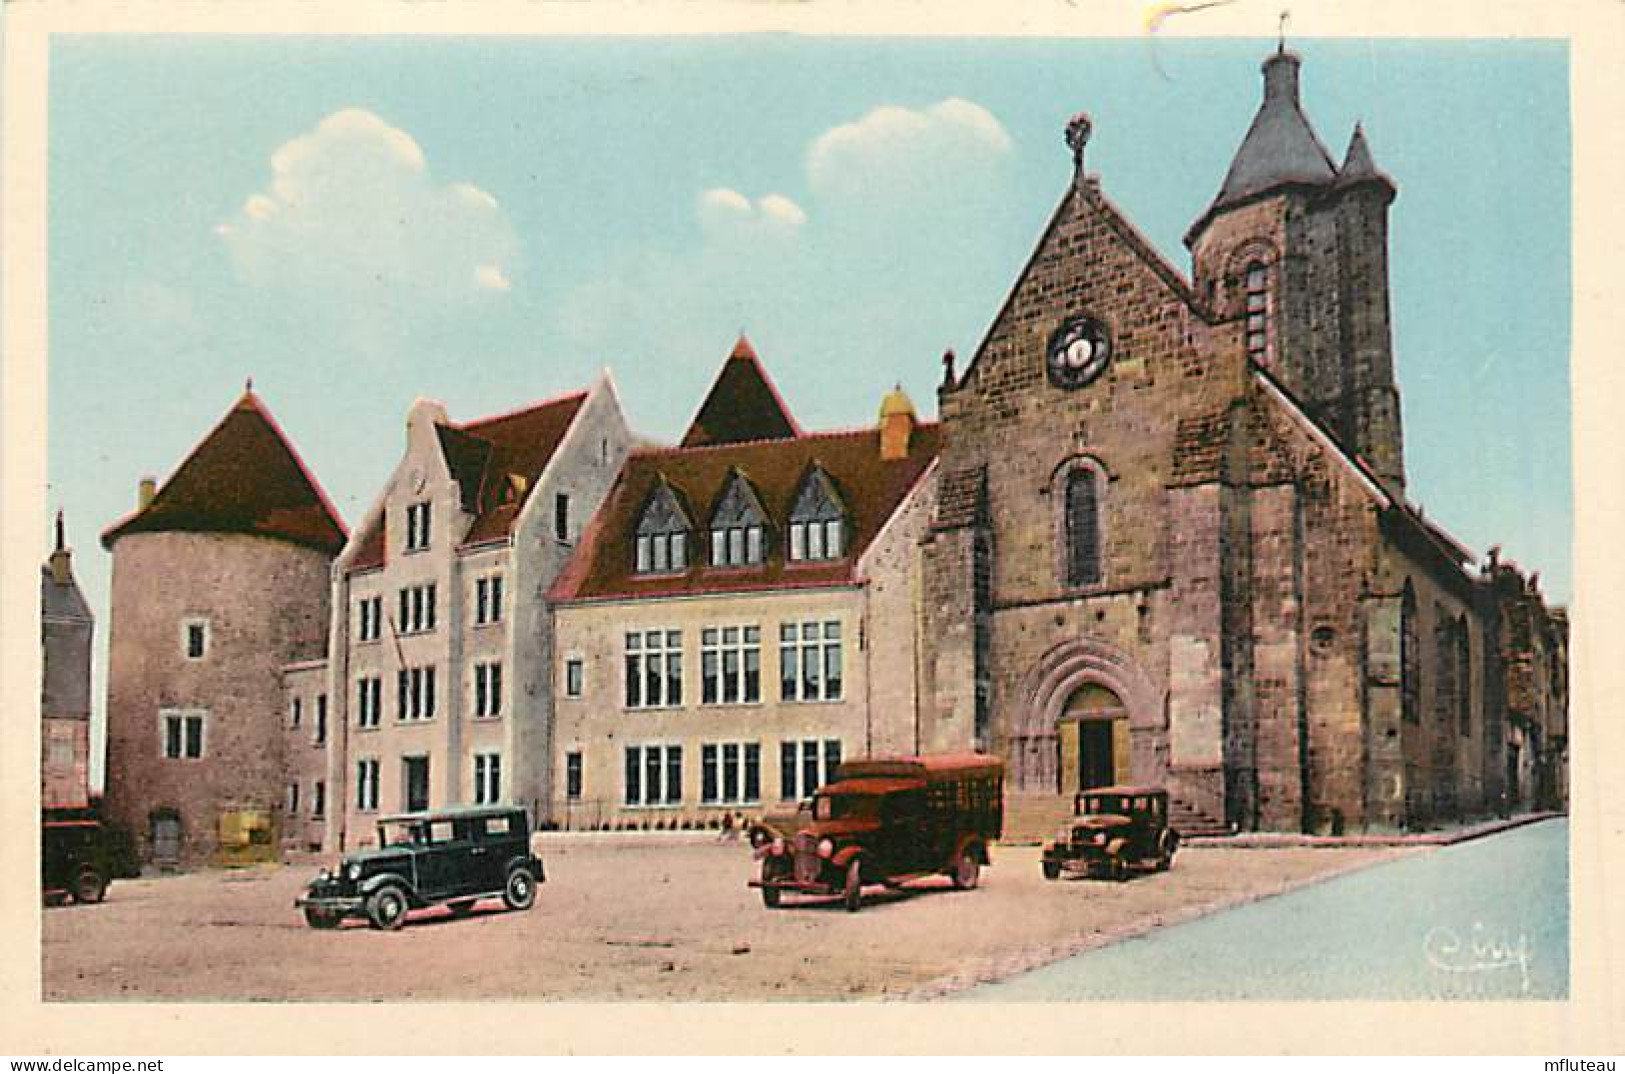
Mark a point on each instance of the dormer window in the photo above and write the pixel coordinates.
(662, 535)
(737, 525)
(817, 521)
(1258, 308)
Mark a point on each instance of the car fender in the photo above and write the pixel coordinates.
(844, 856)
(975, 847)
(1116, 846)
(373, 883)
(529, 861)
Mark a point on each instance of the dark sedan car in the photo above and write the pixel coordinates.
(450, 857)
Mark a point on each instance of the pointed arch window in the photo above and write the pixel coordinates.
(738, 527)
(817, 521)
(1464, 676)
(1081, 524)
(662, 535)
(1410, 663)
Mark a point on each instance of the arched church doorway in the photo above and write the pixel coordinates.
(1092, 739)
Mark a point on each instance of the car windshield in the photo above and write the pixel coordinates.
(1105, 803)
(846, 806)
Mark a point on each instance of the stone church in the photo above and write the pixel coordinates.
(1172, 542)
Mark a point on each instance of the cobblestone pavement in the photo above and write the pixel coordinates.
(630, 920)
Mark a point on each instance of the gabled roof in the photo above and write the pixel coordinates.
(244, 477)
(484, 457)
(871, 490)
(742, 405)
(1280, 148)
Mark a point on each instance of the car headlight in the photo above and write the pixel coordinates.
(826, 848)
(1100, 837)
(354, 871)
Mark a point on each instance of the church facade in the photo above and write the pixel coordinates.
(1172, 542)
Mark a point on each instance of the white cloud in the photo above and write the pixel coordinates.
(352, 215)
(727, 215)
(892, 149)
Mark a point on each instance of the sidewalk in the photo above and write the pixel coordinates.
(1443, 837)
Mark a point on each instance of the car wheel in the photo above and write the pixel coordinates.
(1052, 870)
(386, 907)
(1165, 853)
(89, 886)
(520, 891)
(1119, 869)
(967, 870)
(852, 893)
(462, 907)
(321, 919)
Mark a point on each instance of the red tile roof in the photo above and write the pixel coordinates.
(743, 405)
(870, 489)
(482, 456)
(244, 477)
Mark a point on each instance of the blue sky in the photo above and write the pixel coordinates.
(355, 222)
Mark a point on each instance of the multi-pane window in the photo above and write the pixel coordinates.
(487, 778)
(574, 674)
(183, 735)
(662, 535)
(654, 669)
(415, 693)
(1082, 526)
(321, 719)
(731, 773)
(806, 765)
(417, 526)
(488, 599)
(572, 775)
(488, 689)
(195, 638)
(1258, 309)
(731, 665)
(810, 661)
(318, 798)
(654, 775)
(369, 700)
(417, 608)
(366, 784)
(369, 618)
(737, 527)
(817, 522)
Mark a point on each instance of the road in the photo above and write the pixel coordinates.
(1483, 920)
(630, 919)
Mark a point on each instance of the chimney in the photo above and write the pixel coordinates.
(146, 491)
(61, 558)
(896, 425)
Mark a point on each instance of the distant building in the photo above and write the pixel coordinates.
(438, 688)
(1173, 544)
(1532, 661)
(742, 614)
(220, 580)
(66, 631)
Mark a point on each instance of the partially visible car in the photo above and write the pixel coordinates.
(1114, 831)
(450, 857)
(77, 859)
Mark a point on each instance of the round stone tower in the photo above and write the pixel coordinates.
(220, 578)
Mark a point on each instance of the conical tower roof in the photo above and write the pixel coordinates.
(1358, 164)
(244, 477)
(742, 405)
(1279, 149)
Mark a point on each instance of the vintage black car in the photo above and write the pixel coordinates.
(450, 857)
(887, 821)
(1114, 830)
(76, 858)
